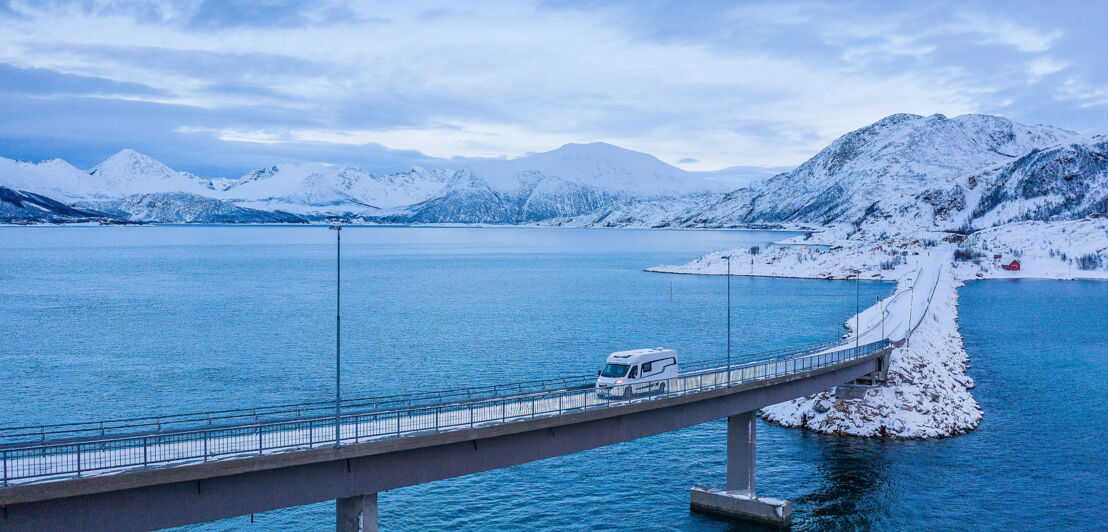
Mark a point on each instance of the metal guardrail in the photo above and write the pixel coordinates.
(27, 462)
(309, 410)
(922, 315)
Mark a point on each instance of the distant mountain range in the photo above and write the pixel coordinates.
(570, 180)
(934, 171)
(925, 172)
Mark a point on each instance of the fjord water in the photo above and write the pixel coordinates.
(123, 321)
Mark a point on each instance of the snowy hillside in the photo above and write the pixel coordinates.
(54, 178)
(317, 188)
(600, 166)
(125, 173)
(18, 207)
(573, 179)
(913, 169)
(469, 198)
(650, 213)
(569, 181)
(1064, 182)
(743, 176)
(183, 207)
(130, 172)
(885, 165)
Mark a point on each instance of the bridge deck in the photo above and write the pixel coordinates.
(433, 442)
(38, 462)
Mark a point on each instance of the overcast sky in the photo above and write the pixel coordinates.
(219, 87)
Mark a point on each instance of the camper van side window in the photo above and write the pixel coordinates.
(646, 366)
(634, 372)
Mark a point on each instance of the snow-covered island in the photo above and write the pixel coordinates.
(929, 203)
(927, 394)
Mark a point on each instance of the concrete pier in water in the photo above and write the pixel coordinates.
(356, 514)
(739, 499)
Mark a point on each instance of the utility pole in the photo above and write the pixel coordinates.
(728, 257)
(338, 331)
(911, 303)
(857, 310)
(881, 307)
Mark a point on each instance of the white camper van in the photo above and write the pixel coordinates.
(629, 373)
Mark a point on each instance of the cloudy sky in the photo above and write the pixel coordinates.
(222, 86)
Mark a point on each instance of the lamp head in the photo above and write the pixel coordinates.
(335, 227)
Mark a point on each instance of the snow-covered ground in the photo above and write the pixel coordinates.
(927, 392)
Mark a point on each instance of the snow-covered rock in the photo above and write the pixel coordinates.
(926, 393)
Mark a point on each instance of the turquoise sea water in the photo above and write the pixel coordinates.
(121, 321)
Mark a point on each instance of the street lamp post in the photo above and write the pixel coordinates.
(881, 308)
(728, 257)
(338, 330)
(911, 304)
(857, 310)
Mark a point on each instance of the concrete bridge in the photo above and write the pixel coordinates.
(157, 472)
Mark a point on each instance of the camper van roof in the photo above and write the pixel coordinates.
(635, 354)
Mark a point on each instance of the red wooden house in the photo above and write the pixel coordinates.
(1013, 266)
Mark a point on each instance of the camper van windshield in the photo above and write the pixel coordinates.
(615, 370)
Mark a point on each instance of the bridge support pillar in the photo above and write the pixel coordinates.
(739, 500)
(356, 514)
(876, 378)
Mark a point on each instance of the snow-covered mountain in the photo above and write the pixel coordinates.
(18, 207)
(568, 181)
(1064, 182)
(600, 166)
(125, 173)
(322, 189)
(903, 166)
(734, 177)
(129, 172)
(883, 165)
(183, 207)
(905, 170)
(54, 178)
(654, 213)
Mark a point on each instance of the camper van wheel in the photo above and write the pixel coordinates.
(662, 389)
(627, 393)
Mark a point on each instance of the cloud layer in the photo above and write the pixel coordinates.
(218, 87)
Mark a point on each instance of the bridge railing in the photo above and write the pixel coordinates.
(171, 422)
(57, 460)
(922, 315)
(317, 409)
